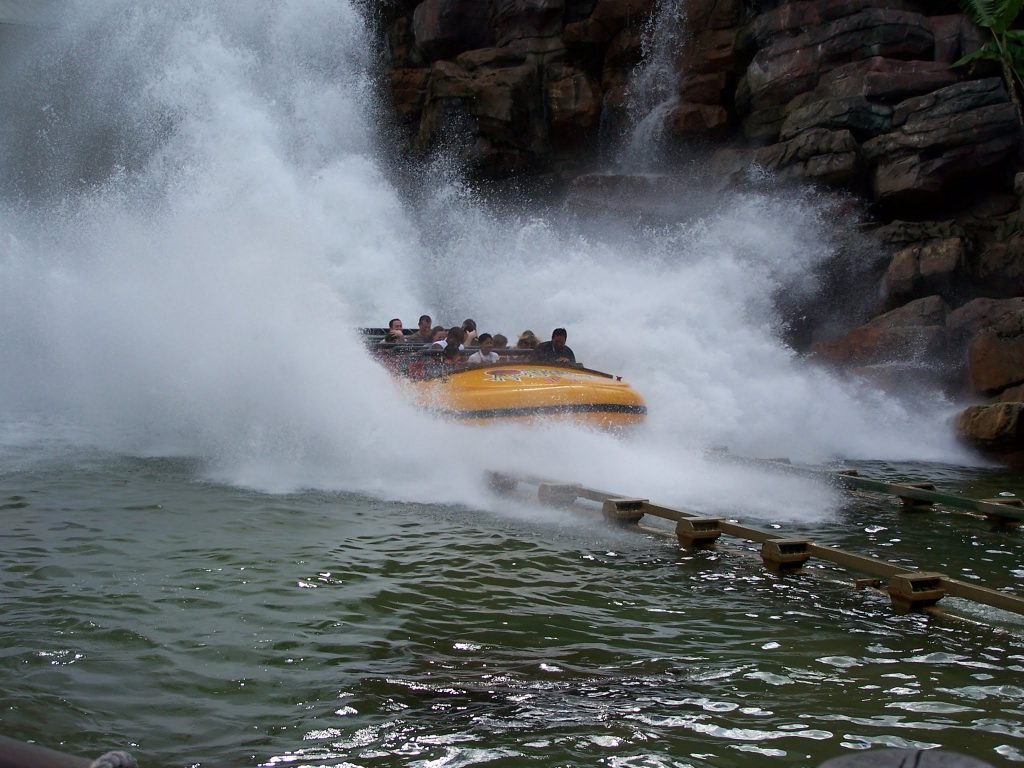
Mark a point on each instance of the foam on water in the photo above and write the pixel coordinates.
(196, 215)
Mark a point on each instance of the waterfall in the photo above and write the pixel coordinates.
(195, 215)
(653, 89)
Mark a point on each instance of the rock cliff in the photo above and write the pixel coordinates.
(856, 96)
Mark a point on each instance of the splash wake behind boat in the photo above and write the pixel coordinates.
(517, 388)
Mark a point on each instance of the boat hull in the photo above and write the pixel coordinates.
(532, 392)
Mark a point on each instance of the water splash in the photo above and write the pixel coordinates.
(195, 216)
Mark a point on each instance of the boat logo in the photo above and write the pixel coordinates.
(515, 374)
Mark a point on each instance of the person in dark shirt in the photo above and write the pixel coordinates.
(555, 351)
(423, 334)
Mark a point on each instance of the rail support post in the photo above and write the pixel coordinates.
(557, 494)
(698, 532)
(785, 554)
(1005, 520)
(916, 505)
(624, 511)
(500, 483)
(914, 591)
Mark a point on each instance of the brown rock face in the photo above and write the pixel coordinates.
(930, 268)
(516, 19)
(712, 14)
(447, 27)
(692, 120)
(789, 65)
(492, 105)
(855, 114)
(870, 345)
(885, 81)
(821, 156)
(998, 269)
(855, 94)
(574, 105)
(408, 93)
(995, 358)
(998, 427)
(913, 333)
(943, 142)
(976, 315)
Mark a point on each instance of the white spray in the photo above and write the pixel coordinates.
(197, 296)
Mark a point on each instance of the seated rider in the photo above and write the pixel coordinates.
(451, 357)
(469, 329)
(455, 336)
(555, 351)
(527, 340)
(423, 334)
(437, 333)
(395, 334)
(486, 354)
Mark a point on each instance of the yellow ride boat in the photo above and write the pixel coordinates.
(517, 389)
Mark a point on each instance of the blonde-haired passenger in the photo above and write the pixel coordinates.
(527, 340)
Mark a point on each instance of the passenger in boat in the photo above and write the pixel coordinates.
(500, 341)
(469, 326)
(437, 333)
(555, 351)
(527, 340)
(454, 336)
(486, 354)
(395, 335)
(451, 357)
(424, 334)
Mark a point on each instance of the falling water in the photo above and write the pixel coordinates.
(196, 216)
(653, 90)
(230, 540)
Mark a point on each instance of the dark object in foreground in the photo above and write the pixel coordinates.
(904, 758)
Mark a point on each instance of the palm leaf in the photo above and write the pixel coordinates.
(996, 15)
(987, 52)
(1009, 13)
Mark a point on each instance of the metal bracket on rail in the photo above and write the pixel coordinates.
(500, 482)
(785, 554)
(911, 504)
(625, 511)
(914, 591)
(557, 494)
(698, 532)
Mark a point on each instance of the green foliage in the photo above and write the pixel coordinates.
(996, 15)
(1006, 46)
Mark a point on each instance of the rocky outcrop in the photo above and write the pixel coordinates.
(849, 93)
(932, 267)
(995, 356)
(997, 429)
(791, 57)
(942, 142)
(915, 332)
(855, 96)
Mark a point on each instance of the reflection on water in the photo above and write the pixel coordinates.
(203, 624)
(194, 218)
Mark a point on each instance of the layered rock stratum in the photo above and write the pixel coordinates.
(853, 96)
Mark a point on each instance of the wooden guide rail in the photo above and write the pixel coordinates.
(908, 589)
(917, 495)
